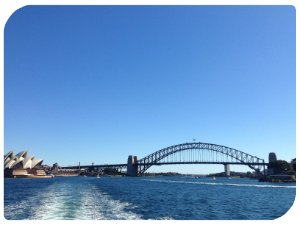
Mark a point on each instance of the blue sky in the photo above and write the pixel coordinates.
(98, 83)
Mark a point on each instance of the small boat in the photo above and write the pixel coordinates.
(98, 176)
(213, 177)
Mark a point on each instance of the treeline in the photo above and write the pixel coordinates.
(282, 167)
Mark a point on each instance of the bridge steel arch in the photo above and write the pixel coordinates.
(232, 156)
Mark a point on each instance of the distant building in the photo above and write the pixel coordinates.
(272, 157)
(22, 165)
(293, 164)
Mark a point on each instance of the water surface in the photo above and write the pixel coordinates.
(179, 198)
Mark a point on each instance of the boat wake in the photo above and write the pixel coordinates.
(98, 205)
(222, 184)
(64, 202)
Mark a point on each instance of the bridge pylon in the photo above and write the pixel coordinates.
(227, 169)
(132, 166)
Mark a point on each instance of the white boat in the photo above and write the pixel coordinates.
(98, 176)
(213, 177)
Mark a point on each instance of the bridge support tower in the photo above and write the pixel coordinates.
(227, 170)
(132, 167)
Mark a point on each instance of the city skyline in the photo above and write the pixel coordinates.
(99, 83)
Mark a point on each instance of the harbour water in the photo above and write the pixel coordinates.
(113, 198)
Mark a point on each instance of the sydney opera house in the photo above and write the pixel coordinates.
(22, 165)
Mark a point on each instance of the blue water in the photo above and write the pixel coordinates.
(179, 198)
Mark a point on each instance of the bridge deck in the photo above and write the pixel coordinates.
(94, 166)
(231, 163)
(158, 164)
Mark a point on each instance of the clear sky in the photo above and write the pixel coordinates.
(96, 84)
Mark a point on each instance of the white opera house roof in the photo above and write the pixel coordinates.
(20, 161)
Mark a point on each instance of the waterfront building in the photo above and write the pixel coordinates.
(22, 165)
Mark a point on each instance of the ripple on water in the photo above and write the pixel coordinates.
(84, 203)
(146, 198)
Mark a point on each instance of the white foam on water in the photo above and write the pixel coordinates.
(166, 218)
(52, 204)
(96, 204)
(61, 202)
(222, 184)
(39, 206)
(13, 209)
(88, 207)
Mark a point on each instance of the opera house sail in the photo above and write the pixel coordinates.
(22, 165)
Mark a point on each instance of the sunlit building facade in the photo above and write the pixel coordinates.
(22, 165)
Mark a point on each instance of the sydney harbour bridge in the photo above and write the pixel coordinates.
(186, 153)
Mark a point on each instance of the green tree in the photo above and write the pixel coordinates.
(280, 166)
